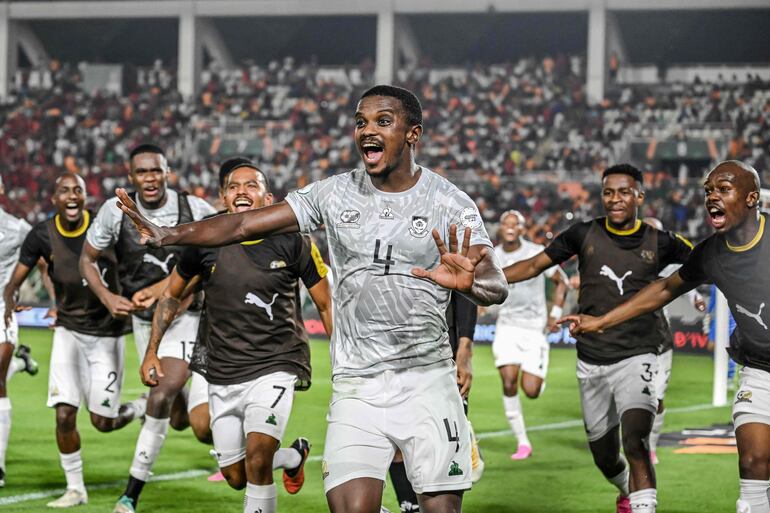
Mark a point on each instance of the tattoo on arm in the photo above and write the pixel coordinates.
(164, 314)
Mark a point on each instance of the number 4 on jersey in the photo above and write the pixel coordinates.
(387, 261)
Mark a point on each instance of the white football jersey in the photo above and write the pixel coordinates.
(525, 306)
(12, 233)
(384, 317)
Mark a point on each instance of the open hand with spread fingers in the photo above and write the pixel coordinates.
(151, 234)
(581, 323)
(456, 270)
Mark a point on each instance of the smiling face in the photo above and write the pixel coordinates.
(245, 189)
(731, 196)
(621, 197)
(69, 197)
(511, 228)
(383, 134)
(149, 175)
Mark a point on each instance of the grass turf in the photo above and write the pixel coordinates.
(559, 477)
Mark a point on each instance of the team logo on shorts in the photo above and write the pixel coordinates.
(419, 227)
(277, 264)
(324, 469)
(271, 420)
(349, 219)
(469, 218)
(454, 469)
(646, 390)
(106, 403)
(648, 256)
(744, 396)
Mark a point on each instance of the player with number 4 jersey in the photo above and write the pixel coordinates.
(393, 243)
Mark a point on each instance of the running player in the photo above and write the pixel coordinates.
(12, 233)
(666, 353)
(390, 355)
(520, 347)
(87, 350)
(143, 275)
(253, 341)
(734, 259)
(617, 256)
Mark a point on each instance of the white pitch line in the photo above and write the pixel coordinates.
(26, 497)
(15, 499)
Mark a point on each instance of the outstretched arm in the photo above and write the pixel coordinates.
(652, 297)
(474, 271)
(215, 231)
(528, 268)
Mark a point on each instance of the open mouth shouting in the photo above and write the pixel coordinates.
(717, 217)
(72, 210)
(151, 192)
(242, 203)
(372, 152)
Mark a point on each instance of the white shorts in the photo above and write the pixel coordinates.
(665, 362)
(417, 410)
(177, 342)
(752, 401)
(262, 406)
(199, 391)
(86, 366)
(525, 347)
(9, 333)
(608, 391)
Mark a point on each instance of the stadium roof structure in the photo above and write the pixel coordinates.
(196, 31)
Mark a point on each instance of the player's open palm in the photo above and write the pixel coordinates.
(455, 270)
(151, 234)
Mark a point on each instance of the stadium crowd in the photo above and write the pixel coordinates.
(517, 135)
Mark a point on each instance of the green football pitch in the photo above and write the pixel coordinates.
(559, 477)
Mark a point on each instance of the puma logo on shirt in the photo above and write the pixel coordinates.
(102, 272)
(253, 299)
(755, 316)
(609, 273)
(152, 259)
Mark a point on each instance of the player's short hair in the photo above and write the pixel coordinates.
(410, 102)
(513, 212)
(624, 169)
(230, 165)
(146, 148)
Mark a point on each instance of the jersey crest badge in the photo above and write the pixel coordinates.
(469, 218)
(349, 219)
(648, 256)
(419, 227)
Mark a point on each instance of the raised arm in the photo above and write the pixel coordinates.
(89, 270)
(528, 268)
(215, 231)
(473, 271)
(652, 297)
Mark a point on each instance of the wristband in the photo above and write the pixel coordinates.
(556, 311)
